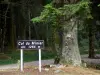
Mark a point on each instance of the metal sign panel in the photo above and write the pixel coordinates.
(30, 44)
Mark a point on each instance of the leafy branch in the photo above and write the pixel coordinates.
(51, 14)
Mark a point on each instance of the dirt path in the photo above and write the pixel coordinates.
(30, 69)
(91, 61)
(47, 62)
(33, 63)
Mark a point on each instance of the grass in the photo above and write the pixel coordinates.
(28, 56)
(69, 70)
(31, 56)
(85, 51)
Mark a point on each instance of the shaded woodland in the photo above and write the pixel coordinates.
(16, 24)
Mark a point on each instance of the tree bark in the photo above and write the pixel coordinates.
(70, 50)
(91, 39)
(95, 14)
(4, 29)
(13, 30)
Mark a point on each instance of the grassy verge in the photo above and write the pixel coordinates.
(28, 56)
(82, 52)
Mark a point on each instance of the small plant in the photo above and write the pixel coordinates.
(84, 64)
(18, 63)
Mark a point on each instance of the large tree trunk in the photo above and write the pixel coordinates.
(91, 41)
(12, 30)
(70, 50)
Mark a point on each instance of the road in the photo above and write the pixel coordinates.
(47, 62)
(33, 63)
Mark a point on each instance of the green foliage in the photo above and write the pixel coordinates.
(99, 5)
(84, 46)
(80, 9)
(49, 14)
(53, 15)
(56, 17)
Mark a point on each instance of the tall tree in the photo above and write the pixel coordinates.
(70, 51)
(64, 19)
(92, 26)
(91, 39)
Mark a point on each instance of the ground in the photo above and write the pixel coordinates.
(69, 70)
(96, 60)
(31, 68)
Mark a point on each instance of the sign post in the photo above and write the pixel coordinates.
(39, 60)
(21, 60)
(27, 45)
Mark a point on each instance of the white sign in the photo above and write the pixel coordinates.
(30, 44)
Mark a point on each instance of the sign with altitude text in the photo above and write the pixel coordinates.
(30, 44)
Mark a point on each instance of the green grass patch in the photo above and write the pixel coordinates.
(28, 56)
